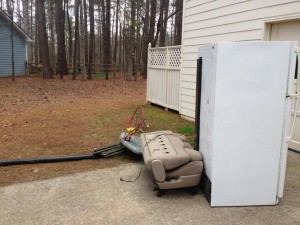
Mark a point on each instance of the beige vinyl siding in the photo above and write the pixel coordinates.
(210, 21)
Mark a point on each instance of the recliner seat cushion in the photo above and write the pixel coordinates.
(192, 168)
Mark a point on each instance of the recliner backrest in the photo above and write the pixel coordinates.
(166, 147)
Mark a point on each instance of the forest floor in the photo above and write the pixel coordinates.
(40, 118)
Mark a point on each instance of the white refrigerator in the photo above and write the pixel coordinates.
(245, 120)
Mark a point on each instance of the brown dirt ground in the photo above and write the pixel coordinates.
(63, 117)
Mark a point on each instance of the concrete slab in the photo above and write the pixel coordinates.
(99, 197)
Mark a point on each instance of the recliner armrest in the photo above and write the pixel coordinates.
(158, 170)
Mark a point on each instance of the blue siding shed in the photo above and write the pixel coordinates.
(20, 40)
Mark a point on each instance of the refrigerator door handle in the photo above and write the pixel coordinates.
(295, 95)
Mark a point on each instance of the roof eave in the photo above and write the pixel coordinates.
(22, 32)
(29, 40)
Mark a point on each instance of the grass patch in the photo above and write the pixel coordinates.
(159, 119)
(100, 75)
(108, 126)
(187, 130)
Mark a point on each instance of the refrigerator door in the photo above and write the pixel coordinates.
(288, 120)
(249, 110)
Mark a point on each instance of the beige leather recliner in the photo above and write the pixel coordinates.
(172, 160)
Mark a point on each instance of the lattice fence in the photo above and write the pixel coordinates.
(174, 57)
(163, 83)
(165, 57)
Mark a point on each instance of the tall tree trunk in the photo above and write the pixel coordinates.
(76, 44)
(163, 32)
(9, 6)
(106, 37)
(120, 47)
(52, 35)
(85, 34)
(61, 64)
(26, 26)
(172, 24)
(124, 37)
(133, 38)
(146, 40)
(19, 17)
(97, 41)
(44, 48)
(70, 45)
(116, 35)
(31, 32)
(100, 25)
(153, 4)
(131, 43)
(112, 27)
(37, 42)
(138, 37)
(178, 22)
(92, 39)
(159, 25)
(102, 2)
(26, 16)
(82, 42)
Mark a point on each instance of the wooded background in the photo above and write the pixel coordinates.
(83, 37)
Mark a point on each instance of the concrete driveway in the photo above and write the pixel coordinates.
(99, 197)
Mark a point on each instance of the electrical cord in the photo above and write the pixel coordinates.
(131, 181)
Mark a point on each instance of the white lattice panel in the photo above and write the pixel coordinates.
(163, 83)
(157, 57)
(174, 57)
(165, 57)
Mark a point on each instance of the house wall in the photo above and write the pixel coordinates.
(5, 51)
(209, 21)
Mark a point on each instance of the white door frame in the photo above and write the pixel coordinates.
(267, 24)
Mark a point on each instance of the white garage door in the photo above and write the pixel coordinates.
(289, 31)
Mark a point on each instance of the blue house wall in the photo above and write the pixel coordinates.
(6, 51)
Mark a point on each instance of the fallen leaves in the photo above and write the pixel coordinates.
(41, 118)
(7, 124)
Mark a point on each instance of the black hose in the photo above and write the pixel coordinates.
(96, 154)
(45, 160)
